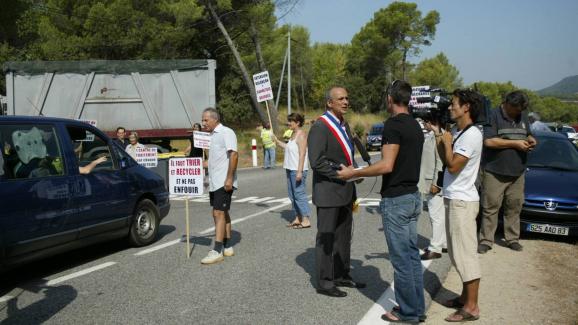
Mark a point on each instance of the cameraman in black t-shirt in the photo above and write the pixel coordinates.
(402, 144)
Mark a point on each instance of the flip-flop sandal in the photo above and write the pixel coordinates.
(293, 224)
(466, 317)
(454, 303)
(386, 318)
(422, 318)
(300, 226)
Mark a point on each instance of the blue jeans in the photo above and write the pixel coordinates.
(269, 157)
(297, 193)
(400, 215)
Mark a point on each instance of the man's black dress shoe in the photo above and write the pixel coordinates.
(429, 255)
(332, 292)
(349, 283)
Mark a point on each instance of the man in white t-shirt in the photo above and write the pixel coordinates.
(461, 152)
(536, 124)
(223, 158)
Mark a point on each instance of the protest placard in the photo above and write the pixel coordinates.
(147, 157)
(186, 176)
(263, 87)
(186, 179)
(89, 135)
(201, 139)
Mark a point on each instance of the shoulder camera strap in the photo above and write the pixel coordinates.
(459, 135)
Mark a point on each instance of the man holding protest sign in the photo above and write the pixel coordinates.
(223, 158)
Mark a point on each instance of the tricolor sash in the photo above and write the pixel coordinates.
(340, 135)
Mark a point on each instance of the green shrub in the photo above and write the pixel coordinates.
(359, 130)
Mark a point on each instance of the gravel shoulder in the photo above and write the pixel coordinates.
(536, 286)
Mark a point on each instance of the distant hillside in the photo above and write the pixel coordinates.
(565, 88)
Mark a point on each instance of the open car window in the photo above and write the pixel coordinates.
(88, 147)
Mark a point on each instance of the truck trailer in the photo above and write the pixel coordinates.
(160, 99)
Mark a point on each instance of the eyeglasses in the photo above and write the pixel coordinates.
(392, 84)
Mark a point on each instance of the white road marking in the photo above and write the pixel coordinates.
(254, 199)
(79, 273)
(283, 200)
(385, 303)
(201, 198)
(365, 202)
(250, 199)
(156, 248)
(206, 231)
(5, 298)
(209, 230)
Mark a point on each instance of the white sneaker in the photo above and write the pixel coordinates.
(229, 252)
(212, 257)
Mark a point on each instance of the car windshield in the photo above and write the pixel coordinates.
(376, 130)
(554, 153)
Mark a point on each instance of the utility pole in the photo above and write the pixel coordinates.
(280, 82)
(289, 71)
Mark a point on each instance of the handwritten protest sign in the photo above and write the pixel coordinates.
(147, 157)
(201, 139)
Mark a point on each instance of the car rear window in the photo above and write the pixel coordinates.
(30, 151)
(376, 130)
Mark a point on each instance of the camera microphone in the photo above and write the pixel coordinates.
(364, 155)
(437, 90)
(421, 100)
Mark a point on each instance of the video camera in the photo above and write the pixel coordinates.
(432, 104)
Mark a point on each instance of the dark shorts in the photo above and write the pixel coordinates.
(221, 199)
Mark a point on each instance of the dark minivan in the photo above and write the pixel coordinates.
(374, 137)
(54, 197)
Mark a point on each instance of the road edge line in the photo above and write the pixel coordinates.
(79, 273)
(386, 302)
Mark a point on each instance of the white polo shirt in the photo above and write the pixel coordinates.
(461, 186)
(223, 141)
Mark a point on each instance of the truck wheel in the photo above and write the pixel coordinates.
(145, 223)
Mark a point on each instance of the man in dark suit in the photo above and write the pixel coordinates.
(330, 145)
(120, 134)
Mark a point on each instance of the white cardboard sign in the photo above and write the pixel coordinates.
(263, 86)
(147, 157)
(89, 136)
(186, 176)
(201, 139)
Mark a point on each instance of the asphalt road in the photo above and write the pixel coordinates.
(269, 280)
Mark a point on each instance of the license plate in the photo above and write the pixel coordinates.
(548, 229)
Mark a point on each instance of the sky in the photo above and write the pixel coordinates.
(533, 43)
